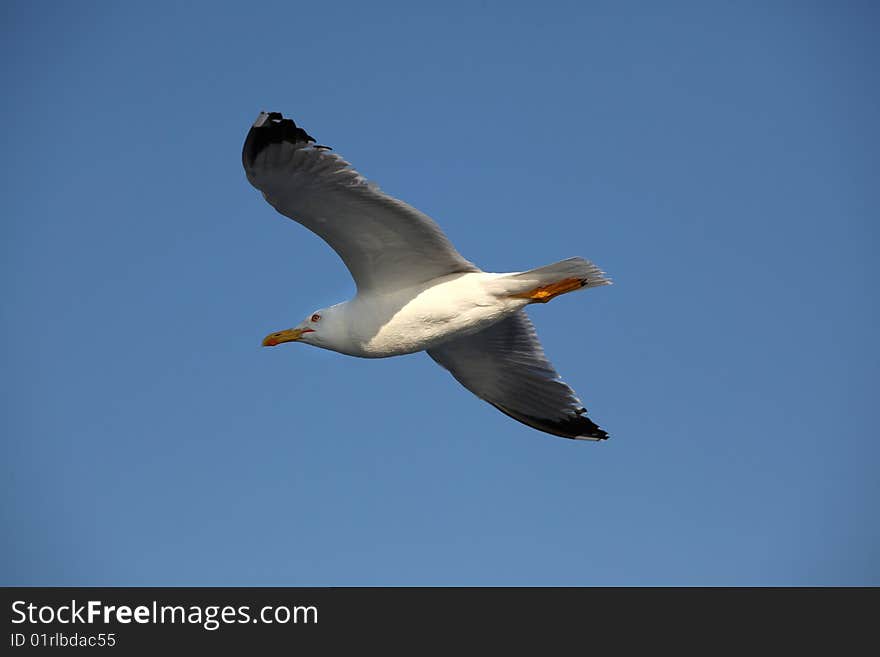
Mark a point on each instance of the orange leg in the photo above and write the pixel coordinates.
(545, 293)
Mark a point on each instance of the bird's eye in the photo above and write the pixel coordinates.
(316, 317)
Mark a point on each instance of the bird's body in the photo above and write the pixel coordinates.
(415, 319)
(415, 291)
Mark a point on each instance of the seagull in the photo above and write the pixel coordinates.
(415, 292)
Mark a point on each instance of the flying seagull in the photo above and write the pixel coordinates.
(415, 292)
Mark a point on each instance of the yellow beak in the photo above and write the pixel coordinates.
(288, 335)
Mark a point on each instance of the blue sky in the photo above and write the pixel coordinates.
(718, 159)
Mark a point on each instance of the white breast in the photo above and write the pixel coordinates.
(423, 317)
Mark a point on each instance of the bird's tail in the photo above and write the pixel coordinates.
(544, 283)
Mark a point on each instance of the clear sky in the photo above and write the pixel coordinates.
(718, 159)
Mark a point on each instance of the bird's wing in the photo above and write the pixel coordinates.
(385, 243)
(505, 365)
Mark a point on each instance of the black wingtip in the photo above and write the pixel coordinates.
(575, 427)
(271, 128)
(587, 428)
(584, 427)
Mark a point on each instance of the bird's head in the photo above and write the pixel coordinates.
(319, 329)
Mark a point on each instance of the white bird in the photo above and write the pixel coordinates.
(415, 292)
